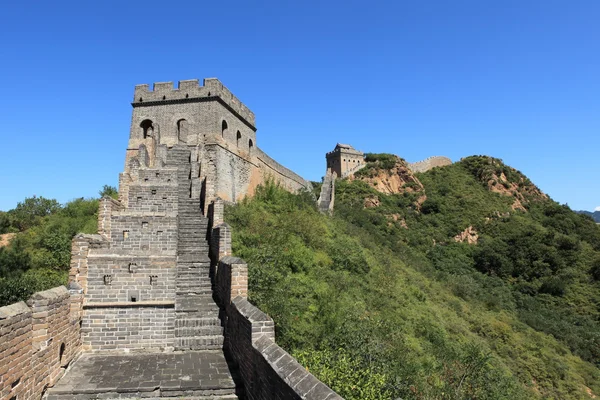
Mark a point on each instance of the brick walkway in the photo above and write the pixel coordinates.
(182, 375)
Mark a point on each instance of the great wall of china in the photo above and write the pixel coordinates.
(156, 305)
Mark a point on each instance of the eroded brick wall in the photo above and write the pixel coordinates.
(267, 371)
(131, 328)
(429, 163)
(37, 341)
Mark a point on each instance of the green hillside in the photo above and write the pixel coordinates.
(38, 234)
(381, 302)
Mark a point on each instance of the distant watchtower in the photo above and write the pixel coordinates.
(344, 160)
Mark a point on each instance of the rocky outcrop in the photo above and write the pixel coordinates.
(522, 192)
(6, 238)
(397, 179)
(469, 235)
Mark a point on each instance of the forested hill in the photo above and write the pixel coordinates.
(463, 282)
(35, 243)
(595, 215)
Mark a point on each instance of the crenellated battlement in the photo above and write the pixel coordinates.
(430, 162)
(191, 90)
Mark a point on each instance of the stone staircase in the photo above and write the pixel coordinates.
(197, 324)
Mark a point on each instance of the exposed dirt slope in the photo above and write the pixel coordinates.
(390, 177)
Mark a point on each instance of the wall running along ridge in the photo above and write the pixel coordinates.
(190, 149)
(267, 371)
(38, 340)
(215, 126)
(429, 163)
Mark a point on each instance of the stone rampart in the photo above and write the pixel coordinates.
(107, 206)
(286, 177)
(232, 175)
(429, 163)
(191, 91)
(111, 326)
(38, 340)
(266, 370)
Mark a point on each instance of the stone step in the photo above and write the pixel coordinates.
(192, 229)
(198, 331)
(199, 343)
(193, 245)
(193, 281)
(199, 281)
(187, 304)
(195, 249)
(193, 252)
(192, 266)
(184, 320)
(185, 273)
(193, 292)
(181, 285)
(201, 270)
(186, 258)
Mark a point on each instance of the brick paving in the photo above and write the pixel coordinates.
(191, 374)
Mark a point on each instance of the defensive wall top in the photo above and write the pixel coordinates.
(344, 148)
(191, 91)
(429, 163)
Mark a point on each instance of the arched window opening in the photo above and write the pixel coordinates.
(147, 128)
(238, 137)
(250, 145)
(182, 129)
(223, 128)
(61, 352)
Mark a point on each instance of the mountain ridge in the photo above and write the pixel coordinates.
(465, 295)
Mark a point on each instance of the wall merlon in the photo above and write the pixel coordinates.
(190, 90)
(13, 310)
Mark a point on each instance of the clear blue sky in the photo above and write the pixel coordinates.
(519, 80)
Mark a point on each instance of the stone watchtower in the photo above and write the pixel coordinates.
(344, 160)
(199, 118)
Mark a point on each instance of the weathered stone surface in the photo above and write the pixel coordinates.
(140, 301)
(429, 163)
(159, 374)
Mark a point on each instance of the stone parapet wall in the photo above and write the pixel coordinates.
(116, 278)
(190, 90)
(37, 342)
(429, 163)
(232, 175)
(152, 198)
(326, 199)
(128, 327)
(267, 371)
(286, 177)
(107, 206)
(144, 232)
(80, 249)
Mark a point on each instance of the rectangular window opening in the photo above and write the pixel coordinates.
(15, 383)
(125, 234)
